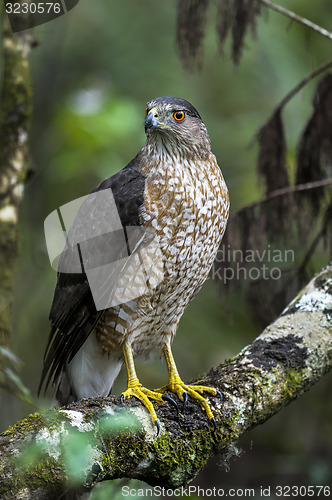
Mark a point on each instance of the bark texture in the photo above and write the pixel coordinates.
(15, 109)
(111, 440)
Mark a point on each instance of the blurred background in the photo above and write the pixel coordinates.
(93, 70)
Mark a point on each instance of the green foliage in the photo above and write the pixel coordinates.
(71, 443)
(77, 449)
(94, 130)
(31, 456)
(9, 379)
(117, 423)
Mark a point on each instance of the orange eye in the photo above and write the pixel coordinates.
(146, 111)
(178, 116)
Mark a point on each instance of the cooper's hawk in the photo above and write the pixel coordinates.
(174, 193)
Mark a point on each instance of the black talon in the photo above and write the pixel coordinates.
(185, 399)
(122, 398)
(157, 424)
(221, 397)
(169, 400)
(214, 423)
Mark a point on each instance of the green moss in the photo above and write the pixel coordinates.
(16, 83)
(179, 460)
(293, 382)
(23, 427)
(32, 468)
(167, 461)
(46, 472)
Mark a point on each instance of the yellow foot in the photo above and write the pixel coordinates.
(183, 390)
(144, 395)
(136, 389)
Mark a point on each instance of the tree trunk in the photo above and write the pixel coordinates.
(15, 109)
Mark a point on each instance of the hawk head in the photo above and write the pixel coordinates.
(174, 122)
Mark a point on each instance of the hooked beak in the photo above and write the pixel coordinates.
(151, 122)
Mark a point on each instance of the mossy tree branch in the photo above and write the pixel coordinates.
(284, 361)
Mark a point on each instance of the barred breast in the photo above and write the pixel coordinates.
(186, 208)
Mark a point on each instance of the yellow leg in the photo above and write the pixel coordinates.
(135, 388)
(176, 385)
